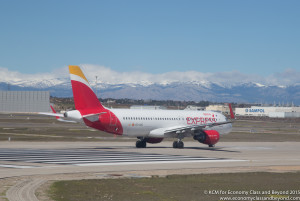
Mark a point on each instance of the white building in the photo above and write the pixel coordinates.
(147, 107)
(284, 114)
(24, 101)
(219, 108)
(193, 107)
(265, 111)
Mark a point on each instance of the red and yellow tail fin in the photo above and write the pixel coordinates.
(84, 97)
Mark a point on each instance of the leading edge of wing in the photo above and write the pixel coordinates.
(51, 114)
(182, 129)
(196, 127)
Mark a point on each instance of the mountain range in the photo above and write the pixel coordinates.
(248, 92)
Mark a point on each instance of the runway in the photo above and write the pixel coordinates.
(93, 157)
(40, 158)
(25, 166)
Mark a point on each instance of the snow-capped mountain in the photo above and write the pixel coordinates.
(248, 92)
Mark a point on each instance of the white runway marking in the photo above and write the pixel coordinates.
(160, 162)
(94, 157)
(251, 148)
(16, 166)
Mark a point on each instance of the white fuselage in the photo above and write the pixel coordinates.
(139, 122)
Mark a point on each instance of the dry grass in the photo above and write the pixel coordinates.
(177, 187)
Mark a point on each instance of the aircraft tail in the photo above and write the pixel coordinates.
(84, 97)
(231, 111)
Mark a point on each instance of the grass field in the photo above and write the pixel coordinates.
(178, 187)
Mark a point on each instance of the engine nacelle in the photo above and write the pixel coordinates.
(209, 137)
(73, 114)
(154, 140)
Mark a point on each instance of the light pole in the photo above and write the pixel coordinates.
(96, 86)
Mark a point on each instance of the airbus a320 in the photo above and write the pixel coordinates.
(148, 126)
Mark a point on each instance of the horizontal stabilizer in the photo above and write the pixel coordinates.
(93, 117)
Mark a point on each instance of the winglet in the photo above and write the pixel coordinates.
(53, 110)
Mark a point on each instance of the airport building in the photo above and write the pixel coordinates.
(219, 108)
(147, 107)
(193, 107)
(274, 112)
(24, 101)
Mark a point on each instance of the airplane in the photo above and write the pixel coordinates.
(148, 126)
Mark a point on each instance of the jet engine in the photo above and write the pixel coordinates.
(73, 115)
(209, 137)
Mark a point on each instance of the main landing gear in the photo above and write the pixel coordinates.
(141, 143)
(178, 144)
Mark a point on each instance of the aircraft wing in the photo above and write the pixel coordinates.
(51, 114)
(192, 128)
(93, 117)
(56, 115)
(185, 130)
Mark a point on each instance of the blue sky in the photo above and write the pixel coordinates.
(252, 37)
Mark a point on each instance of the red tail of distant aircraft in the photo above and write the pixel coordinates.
(149, 126)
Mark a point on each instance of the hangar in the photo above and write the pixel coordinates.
(24, 101)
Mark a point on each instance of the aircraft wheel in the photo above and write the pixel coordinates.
(211, 145)
(140, 144)
(175, 144)
(180, 145)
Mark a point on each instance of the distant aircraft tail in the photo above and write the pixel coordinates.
(84, 97)
(231, 111)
